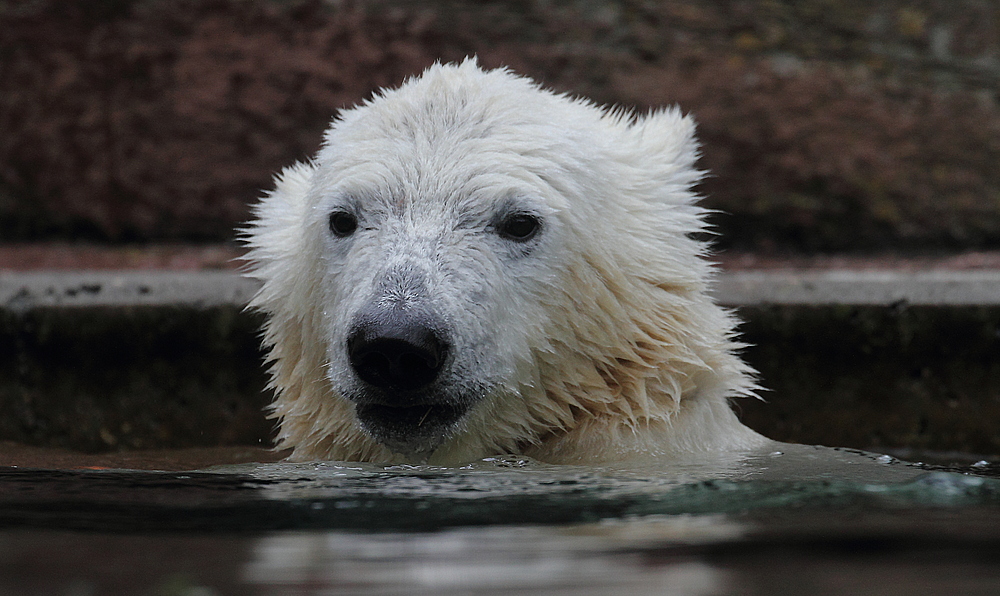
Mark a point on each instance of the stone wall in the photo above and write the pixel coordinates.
(828, 125)
(140, 377)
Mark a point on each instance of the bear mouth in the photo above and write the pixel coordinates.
(410, 430)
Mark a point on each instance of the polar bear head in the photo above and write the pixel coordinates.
(472, 265)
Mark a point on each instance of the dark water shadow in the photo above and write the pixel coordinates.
(795, 481)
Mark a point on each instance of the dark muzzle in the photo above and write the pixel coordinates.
(396, 353)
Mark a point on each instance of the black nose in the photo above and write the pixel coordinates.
(396, 352)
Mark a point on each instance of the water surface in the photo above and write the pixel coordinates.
(787, 520)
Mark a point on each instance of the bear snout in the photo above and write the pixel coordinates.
(396, 351)
(399, 353)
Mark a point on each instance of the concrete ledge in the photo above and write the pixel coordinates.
(204, 289)
(200, 289)
(868, 288)
(870, 359)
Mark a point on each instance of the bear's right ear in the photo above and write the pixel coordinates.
(292, 184)
(277, 229)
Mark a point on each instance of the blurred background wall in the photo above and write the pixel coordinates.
(828, 125)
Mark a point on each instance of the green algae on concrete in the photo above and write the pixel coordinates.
(98, 379)
(919, 377)
(102, 378)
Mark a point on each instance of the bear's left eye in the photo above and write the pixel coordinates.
(519, 227)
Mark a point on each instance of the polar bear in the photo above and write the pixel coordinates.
(472, 265)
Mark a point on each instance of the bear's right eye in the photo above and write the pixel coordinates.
(343, 224)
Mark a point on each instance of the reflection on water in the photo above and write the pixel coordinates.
(784, 520)
(515, 490)
(502, 560)
(494, 491)
(788, 520)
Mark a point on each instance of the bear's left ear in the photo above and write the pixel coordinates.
(665, 145)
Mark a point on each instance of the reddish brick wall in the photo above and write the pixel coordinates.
(827, 125)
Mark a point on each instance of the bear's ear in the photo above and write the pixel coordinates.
(664, 145)
(286, 205)
(277, 230)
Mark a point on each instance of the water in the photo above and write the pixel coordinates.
(786, 520)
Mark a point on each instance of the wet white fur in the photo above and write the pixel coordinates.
(601, 344)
